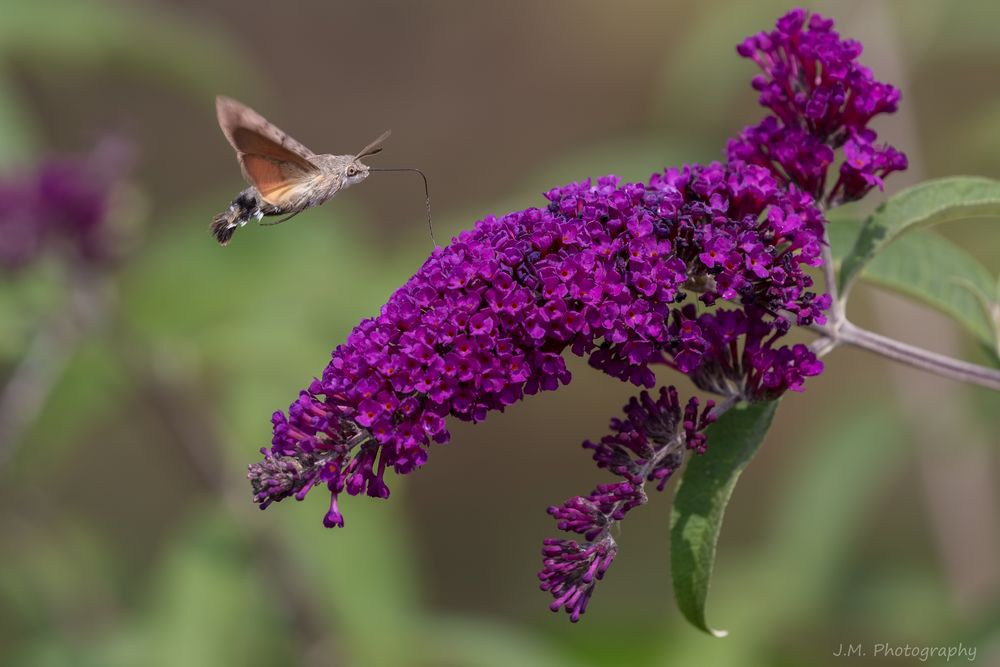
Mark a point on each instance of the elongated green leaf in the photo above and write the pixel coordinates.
(930, 268)
(931, 202)
(701, 500)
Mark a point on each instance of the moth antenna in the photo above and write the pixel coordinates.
(427, 193)
(374, 147)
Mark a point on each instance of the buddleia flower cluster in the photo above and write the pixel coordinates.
(700, 270)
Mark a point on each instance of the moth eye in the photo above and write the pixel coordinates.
(351, 171)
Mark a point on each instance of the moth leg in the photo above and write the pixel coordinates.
(278, 222)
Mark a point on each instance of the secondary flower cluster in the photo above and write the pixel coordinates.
(648, 445)
(598, 271)
(822, 99)
(64, 201)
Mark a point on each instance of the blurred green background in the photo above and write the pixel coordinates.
(128, 534)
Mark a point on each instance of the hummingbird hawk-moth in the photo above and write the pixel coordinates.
(285, 177)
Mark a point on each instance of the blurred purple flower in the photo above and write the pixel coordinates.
(64, 202)
(822, 99)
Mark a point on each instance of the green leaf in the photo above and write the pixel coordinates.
(930, 203)
(701, 500)
(930, 268)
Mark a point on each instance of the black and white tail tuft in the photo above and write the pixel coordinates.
(244, 207)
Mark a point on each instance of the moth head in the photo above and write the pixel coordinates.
(355, 172)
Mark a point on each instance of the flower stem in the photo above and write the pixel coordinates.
(912, 355)
(921, 358)
(841, 331)
(837, 317)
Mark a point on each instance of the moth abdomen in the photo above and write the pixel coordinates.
(247, 205)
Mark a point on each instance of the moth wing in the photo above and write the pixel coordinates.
(249, 132)
(275, 163)
(278, 181)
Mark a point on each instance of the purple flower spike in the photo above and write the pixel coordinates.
(598, 271)
(822, 99)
